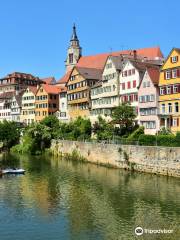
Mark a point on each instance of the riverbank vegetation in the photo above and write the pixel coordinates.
(35, 138)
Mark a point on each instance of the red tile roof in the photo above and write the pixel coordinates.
(65, 78)
(98, 61)
(33, 89)
(48, 80)
(154, 74)
(51, 89)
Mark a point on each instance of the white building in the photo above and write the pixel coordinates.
(5, 106)
(16, 105)
(105, 94)
(62, 113)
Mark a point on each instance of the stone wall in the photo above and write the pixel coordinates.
(158, 160)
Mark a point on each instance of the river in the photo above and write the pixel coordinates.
(58, 199)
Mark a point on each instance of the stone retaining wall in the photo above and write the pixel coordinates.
(158, 160)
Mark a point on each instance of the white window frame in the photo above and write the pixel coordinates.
(174, 73)
(175, 87)
(168, 90)
(168, 74)
(161, 91)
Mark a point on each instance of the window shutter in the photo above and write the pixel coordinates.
(164, 74)
(177, 121)
(178, 72)
(171, 121)
(164, 90)
(171, 73)
(171, 60)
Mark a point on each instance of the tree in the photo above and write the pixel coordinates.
(9, 133)
(124, 115)
(102, 129)
(53, 123)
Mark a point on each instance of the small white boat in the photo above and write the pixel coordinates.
(13, 171)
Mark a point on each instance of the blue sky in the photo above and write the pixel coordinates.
(34, 35)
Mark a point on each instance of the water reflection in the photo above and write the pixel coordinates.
(84, 201)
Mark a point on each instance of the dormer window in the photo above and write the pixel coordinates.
(174, 59)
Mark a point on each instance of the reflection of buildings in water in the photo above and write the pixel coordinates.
(106, 197)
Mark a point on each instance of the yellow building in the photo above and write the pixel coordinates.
(28, 105)
(78, 90)
(169, 90)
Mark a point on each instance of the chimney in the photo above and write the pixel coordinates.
(135, 54)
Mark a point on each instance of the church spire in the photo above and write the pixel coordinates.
(74, 35)
(74, 39)
(74, 51)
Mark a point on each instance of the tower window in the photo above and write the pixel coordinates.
(71, 58)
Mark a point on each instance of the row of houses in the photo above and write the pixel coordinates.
(95, 85)
(31, 101)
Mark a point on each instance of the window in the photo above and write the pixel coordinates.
(149, 124)
(129, 72)
(168, 90)
(176, 107)
(148, 84)
(134, 83)
(124, 73)
(175, 89)
(71, 58)
(161, 91)
(168, 74)
(170, 107)
(123, 86)
(163, 108)
(174, 73)
(152, 98)
(133, 71)
(129, 85)
(174, 122)
(109, 65)
(174, 59)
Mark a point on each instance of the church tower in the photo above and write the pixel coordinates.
(74, 51)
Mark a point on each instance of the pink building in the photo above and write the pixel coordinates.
(148, 96)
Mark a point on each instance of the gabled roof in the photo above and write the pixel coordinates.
(154, 74)
(48, 80)
(65, 78)
(33, 89)
(51, 89)
(90, 73)
(18, 97)
(176, 49)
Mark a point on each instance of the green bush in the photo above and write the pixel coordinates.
(135, 135)
(166, 140)
(178, 139)
(147, 140)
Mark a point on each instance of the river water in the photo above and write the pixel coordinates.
(58, 199)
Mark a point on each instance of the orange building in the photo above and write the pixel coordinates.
(47, 101)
